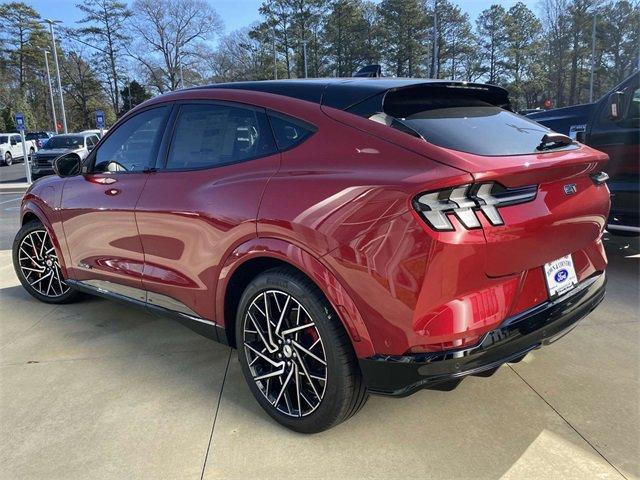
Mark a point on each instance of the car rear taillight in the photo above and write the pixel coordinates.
(466, 201)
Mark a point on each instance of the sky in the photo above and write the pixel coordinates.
(239, 13)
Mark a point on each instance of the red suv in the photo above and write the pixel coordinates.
(347, 236)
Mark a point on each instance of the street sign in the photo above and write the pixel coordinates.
(99, 119)
(20, 122)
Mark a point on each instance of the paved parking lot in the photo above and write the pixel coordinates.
(102, 390)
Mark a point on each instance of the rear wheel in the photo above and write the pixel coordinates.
(8, 159)
(37, 266)
(295, 353)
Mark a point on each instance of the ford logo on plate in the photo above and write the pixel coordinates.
(561, 275)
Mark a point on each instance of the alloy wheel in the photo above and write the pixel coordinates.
(285, 353)
(40, 266)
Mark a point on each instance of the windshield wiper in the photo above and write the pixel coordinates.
(554, 140)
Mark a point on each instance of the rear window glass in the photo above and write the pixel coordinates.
(472, 126)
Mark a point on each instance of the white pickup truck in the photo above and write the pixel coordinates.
(11, 148)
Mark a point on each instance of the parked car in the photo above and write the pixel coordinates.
(78, 144)
(11, 147)
(96, 131)
(347, 236)
(612, 125)
(39, 137)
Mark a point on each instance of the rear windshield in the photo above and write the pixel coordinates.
(473, 126)
(64, 142)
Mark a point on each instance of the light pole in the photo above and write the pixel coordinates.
(53, 105)
(434, 53)
(275, 57)
(593, 58)
(304, 52)
(55, 58)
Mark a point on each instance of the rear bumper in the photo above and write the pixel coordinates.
(514, 338)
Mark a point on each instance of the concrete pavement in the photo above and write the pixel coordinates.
(99, 389)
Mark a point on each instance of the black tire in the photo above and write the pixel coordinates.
(343, 391)
(8, 159)
(32, 261)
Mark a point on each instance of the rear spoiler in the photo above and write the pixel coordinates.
(370, 71)
(403, 97)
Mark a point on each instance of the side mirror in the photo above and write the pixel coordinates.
(14, 141)
(616, 102)
(67, 165)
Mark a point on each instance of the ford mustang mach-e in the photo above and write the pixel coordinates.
(347, 236)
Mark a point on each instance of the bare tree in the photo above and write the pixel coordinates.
(171, 34)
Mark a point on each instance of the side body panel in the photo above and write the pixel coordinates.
(190, 221)
(97, 213)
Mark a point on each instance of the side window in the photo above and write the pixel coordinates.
(91, 142)
(288, 131)
(210, 135)
(133, 146)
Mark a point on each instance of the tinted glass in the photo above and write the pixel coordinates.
(36, 135)
(92, 140)
(211, 135)
(476, 127)
(65, 141)
(132, 147)
(289, 132)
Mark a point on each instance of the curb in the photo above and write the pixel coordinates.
(14, 187)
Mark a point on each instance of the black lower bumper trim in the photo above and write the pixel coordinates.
(512, 340)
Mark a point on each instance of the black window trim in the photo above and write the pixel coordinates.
(167, 141)
(89, 161)
(296, 121)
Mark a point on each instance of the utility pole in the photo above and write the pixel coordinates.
(434, 53)
(129, 91)
(55, 57)
(304, 52)
(275, 57)
(53, 105)
(593, 57)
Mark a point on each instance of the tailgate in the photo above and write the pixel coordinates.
(568, 213)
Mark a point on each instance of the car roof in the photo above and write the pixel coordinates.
(342, 93)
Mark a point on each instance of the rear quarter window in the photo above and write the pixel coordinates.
(289, 132)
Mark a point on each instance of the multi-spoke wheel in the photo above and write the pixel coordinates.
(285, 353)
(37, 265)
(295, 354)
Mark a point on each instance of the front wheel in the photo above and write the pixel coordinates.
(8, 159)
(37, 266)
(295, 354)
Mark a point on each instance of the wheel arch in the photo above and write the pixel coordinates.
(29, 212)
(258, 255)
